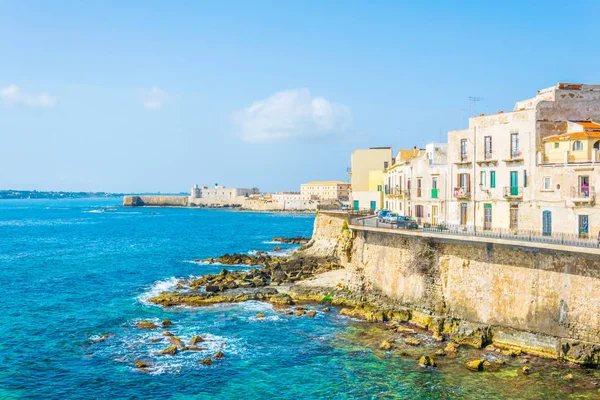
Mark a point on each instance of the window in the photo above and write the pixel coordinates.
(434, 182)
(578, 145)
(514, 145)
(419, 211)
(482, 179)
(463, 149)
(556, 144)
(492, 179)
(488, 148)
(379, 188)
(547, 183)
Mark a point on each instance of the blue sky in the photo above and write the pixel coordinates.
(157, 96)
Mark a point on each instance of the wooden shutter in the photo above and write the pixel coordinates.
(468, 183)
(457, 180)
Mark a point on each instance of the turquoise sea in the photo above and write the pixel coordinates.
(73, 270)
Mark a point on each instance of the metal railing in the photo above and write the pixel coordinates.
(461, 193)
(488, 155)
(513, 191)
(464, 157)
(531, 236)
(583, 192)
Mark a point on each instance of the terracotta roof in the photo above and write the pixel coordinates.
(574, 135)
(588, 125)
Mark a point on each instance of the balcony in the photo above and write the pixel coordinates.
(434, 193)
(489, 157)
(515, 157)
(397, 193)
(513, 192)
(462, 193)
(583, 194)
(463, 160)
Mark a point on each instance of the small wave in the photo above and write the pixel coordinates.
(270, 242)
(218, 264)
(95, 211)
(157, 288)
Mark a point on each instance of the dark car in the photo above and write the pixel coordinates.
(406, 222)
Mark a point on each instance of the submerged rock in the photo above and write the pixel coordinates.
(146, 325)
(412, 341)
(326, 309)
(172, 350)
(300, 313)
(143, 365)
(166, 323)
(167, 333)
(260, 315)
(406, 330)
(206, 361)
(311, 314)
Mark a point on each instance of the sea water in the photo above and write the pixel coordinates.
(75, 276)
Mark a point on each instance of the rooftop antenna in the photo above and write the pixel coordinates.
(473, 103)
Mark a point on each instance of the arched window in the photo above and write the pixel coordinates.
(578, 145)
(597, 145)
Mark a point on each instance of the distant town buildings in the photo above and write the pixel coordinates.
(219, 195)
(327, 190)
(534, 168)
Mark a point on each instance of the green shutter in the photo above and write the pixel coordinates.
(492, 179)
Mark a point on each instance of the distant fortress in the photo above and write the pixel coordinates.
(247, 199)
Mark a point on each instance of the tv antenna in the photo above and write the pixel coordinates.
(473, 103)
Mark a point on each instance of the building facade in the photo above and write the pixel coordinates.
(366, 169)
(327, 190)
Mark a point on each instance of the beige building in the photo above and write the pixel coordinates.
(567, 184)
(219, 195)
(366, 169)
(495, 165)
(416, 184)
(328, 190)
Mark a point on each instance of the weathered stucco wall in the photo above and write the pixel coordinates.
(545, 301)
(155, 201)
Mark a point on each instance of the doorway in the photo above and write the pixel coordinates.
(487, 220)
(514, 217)
(584, 186)
(514, 183)
(463, 213)
(434, 215)
(547, 223)
(583, 227)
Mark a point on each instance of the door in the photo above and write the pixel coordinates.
(584, 186)
(355, 204)
(463, 213)
(487, 220)
(373, 205)
(583, 226)
(547, 223)
(514, 183)
(514, 216)
(434, 215)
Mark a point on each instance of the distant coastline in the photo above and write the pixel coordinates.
(36, 194)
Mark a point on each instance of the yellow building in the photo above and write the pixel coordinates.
(327, 190)
(580, 143)
(366, 169)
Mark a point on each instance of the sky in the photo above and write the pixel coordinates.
(154, 96)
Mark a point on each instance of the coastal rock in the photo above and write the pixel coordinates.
(326, 309)
(206, 361)
(176, 341)
(104, 337)
(526, 370)
(412, 341)
(166, 323)
(311, 314)
(300, 308)
(385, 345)
(568, 377)
(281, 299)
(194, 348)
(143, 365)
(219, 354)
(293, 240)
(172, 350)
(300, 313)
(146, 325)
(475, 365)
(427, 361)
(405, 330)
(196, 339)
(260, 315)
(154, 340)
(167, 333)
(440, 352)
(511, 352)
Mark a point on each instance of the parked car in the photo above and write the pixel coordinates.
(382, 214)
(390, 218)
(406, 222)
(345, 207)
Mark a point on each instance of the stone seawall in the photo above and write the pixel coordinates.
(155, 201)
(544, 301)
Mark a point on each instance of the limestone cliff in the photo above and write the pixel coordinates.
(544, 301)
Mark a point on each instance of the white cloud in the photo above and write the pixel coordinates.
(289, 114)
(155, 99)
(13, 95)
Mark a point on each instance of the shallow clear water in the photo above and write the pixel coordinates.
(72, 270)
